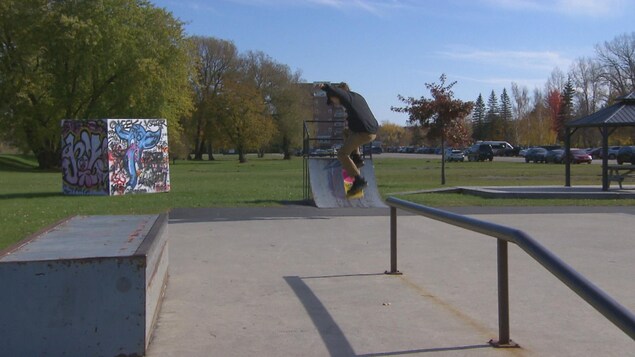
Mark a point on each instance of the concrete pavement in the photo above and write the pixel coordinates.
(300, 281)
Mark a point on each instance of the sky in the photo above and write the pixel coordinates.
(386, 48)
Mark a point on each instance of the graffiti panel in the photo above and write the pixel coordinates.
(84, 157)
(138, 156)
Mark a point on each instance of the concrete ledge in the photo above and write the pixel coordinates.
(88, 286)
(548, 192)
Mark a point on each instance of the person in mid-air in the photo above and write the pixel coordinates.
(362, 129)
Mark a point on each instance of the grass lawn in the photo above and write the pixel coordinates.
(31, 199)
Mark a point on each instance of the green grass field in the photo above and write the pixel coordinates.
(31, 199)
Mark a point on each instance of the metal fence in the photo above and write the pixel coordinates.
(603, 303)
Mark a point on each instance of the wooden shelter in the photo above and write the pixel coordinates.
(607, 120)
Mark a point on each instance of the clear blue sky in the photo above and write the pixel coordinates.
(383, 48)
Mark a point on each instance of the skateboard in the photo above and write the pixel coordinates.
(348, 182)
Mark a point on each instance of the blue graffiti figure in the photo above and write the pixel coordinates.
(138, 139)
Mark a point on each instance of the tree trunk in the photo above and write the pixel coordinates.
(241, 156)
(48, 159)
(285, 148)
(442, 157)
(198, 150)
(210, 152)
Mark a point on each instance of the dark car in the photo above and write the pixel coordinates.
(555, 156)
(626, 154)
(480, 152)
(536, 155)
(613, 150)
(373, 149)
(596, 153)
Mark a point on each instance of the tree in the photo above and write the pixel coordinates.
(391, 134)
(242, 116)
(539, 118)
(478, 119)
(520, 109)
(591, 93)
(492, 118)
(506, 115)
(213, 60)
(442, 115)
(554, 103)
(556, 80)
(617, 58)
(565, 113)
(287, 102)
(86, 60)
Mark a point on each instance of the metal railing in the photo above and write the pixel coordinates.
(603, 303)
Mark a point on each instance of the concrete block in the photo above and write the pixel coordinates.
(88, 286)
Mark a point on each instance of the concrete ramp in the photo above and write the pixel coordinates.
(327, 185)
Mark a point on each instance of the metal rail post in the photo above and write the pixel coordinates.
(503, 298)
(393, 243)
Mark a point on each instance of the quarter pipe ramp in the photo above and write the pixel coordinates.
(327, 185)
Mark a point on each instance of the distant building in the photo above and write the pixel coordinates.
(329, 121)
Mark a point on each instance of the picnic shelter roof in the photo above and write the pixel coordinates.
(621, 113)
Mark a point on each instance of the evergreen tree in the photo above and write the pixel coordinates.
(566, 108)
(506, 115)
(492, 118)
(478, 119)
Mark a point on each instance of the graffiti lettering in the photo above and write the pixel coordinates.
(84, 165)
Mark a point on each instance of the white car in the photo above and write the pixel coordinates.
(454, 155)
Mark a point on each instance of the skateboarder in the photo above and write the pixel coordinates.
(362, 129)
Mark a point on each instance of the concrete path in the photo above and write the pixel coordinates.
(300, 281)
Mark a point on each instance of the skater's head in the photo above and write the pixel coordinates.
(334, 100)
(343, 86)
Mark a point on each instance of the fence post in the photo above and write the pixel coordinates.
(393, 243)
(503, 299)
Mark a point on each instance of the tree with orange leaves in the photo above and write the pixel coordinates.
(442, 115)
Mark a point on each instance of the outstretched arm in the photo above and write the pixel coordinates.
(123, 135)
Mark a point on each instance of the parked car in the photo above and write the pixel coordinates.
(626, 154)
(523, 152)
(579, 156)
(373, 149)
(596, 153)
(319, 152)
(480, 152)
(454, 155)
(555, 156)
(502, 148)
(613, 150)
(536, 155)
(551, 147)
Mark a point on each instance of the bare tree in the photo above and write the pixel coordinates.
(556, 81)
(520, 107)
(617, 58)
(591, 90)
